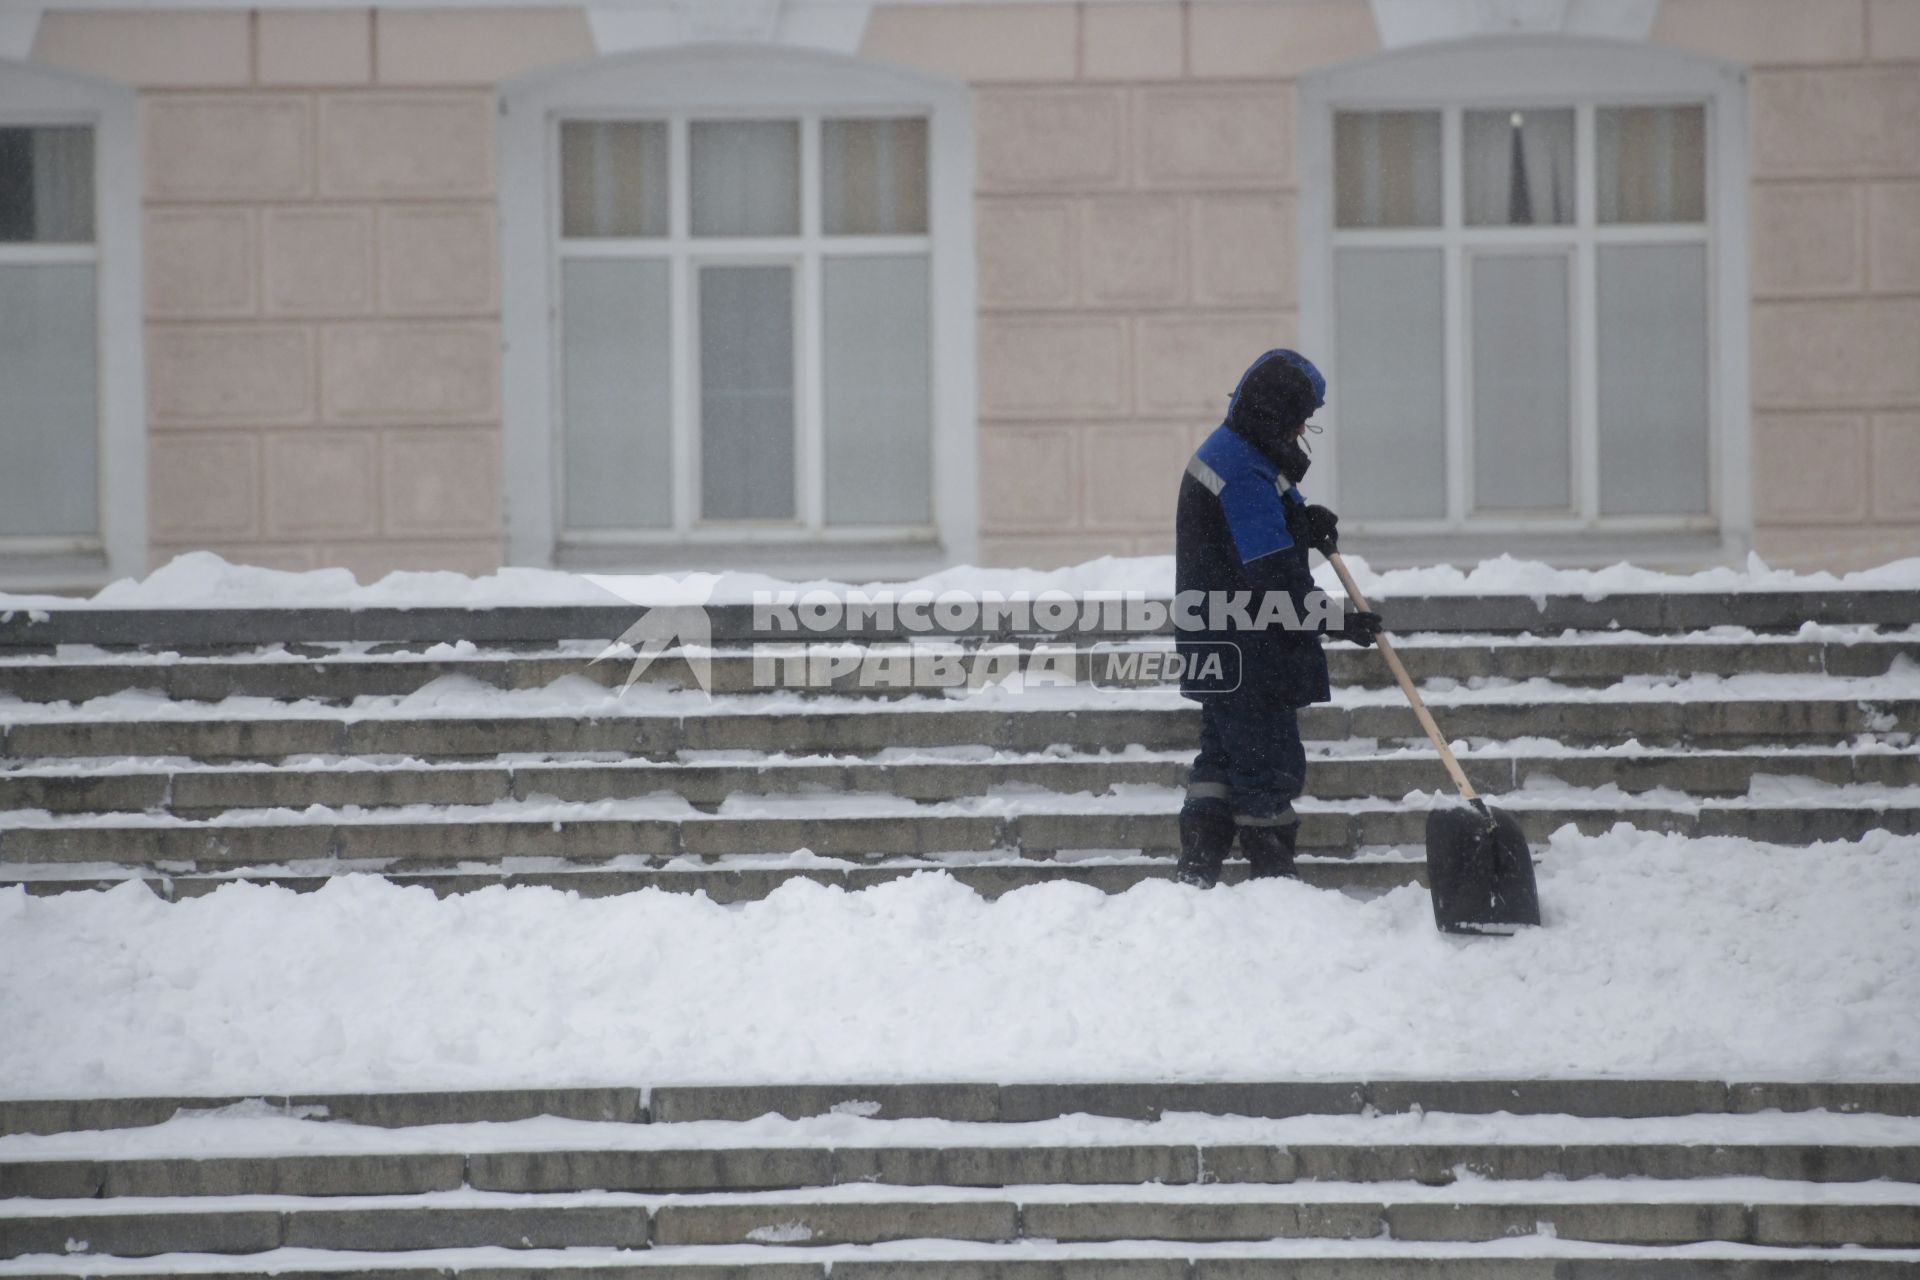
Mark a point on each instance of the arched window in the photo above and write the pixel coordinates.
(1525, 259)
(739, 313)
(73, 490)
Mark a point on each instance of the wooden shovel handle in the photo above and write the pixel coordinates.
(1406, 683)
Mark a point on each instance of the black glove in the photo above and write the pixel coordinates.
(1361, 628)
(1322, 529)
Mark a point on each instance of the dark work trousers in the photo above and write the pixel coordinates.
(1251, 762)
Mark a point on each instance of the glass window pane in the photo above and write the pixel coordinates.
(1386, 168)
(879, 428)
(49, 409)
(1653, 379)
(746, 177)
(617, 405)
(613, 178)
(1389, 386)
(746, 393)
(1651, 164)
(1522, 383)
(46, 184)
(873, 177)
(1518, 167)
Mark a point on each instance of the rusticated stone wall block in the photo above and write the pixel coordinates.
(1052, 367)
(1132, 475)
(406, 145)
(390, 372)
(229, 147)
(1224, 136)
(438, 260)
(1032, 140)
(242, 374)
(200, 263)
(1809, 468)
(1024, 252)
(978, 43)
(1029, 478)
(315, 47)
(322, 483)
(318, 261)
(1854, 122)
(441, 481)
(203, 484)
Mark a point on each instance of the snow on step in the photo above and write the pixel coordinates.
(1663, 954)
(1641, 1211)
(1465, 1191)
(1528, 1258)
(453, 697)
(843, 1190)
(351, 653)
(254, 1130)
(886, 670)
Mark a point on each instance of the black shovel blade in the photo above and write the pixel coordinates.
(1480, 871)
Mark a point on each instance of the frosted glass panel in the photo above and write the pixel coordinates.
(1653, 379)
(1389, 388)
(613, 178)
(1522, 383)
(874, 177)
(746, 177)
(1386, 168)
(1518, 167)
(1651, 164)
(879, 429)
(616, 357)
(46, 184)
(49, 409)
(746, 393)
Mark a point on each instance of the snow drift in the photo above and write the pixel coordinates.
(1662, 956)
(203, 579)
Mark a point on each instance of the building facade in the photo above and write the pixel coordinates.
(822, 287)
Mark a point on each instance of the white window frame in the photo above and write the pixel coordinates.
(34, 95)
(677, 87)
(1537, 73)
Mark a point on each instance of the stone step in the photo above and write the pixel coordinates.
(1291, 1260)
(709, 1169)
(206, 792)
(1573, 659)
(451, 838)
(1017, 725)
(173, 628)
(240, 1230)
(1364, 876)
(1791, 1216)
(969, 1102)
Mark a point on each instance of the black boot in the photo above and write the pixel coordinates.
(1269, 850)
(1205, 837)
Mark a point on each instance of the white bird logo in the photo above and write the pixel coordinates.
(685, 627)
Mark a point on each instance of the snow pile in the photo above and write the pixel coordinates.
(203, 579)
(1663, 956)
(257, 1127)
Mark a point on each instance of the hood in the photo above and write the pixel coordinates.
(1277, 393)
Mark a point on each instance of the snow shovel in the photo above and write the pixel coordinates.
(1478, 864)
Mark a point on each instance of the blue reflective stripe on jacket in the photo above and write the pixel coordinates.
(1250, 493)
(1231, 537)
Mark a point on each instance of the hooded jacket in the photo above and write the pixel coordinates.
(1235, 542)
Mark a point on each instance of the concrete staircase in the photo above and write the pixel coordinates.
(462, 748)
(1378, 1180)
